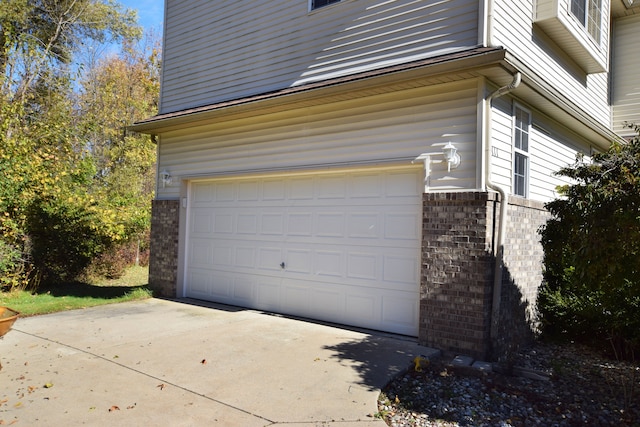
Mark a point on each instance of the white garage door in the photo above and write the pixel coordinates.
(342, 247)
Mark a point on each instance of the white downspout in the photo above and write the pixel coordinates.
(502, 227)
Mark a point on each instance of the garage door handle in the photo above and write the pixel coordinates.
(282, 265)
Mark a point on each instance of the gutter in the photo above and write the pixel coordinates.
(504, 203)
(487, 39)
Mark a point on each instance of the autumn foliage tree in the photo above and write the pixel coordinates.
(61, 202)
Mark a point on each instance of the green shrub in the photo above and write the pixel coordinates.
(592, 250)
(65, 237)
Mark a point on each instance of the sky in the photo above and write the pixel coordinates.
(150, 13)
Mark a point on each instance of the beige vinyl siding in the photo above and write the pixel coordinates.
(551, 147)
(391, 128)
(502, 142)
(626, 74)
(514, 29)
(218, 50)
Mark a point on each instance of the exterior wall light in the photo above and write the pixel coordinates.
(451, 156)
(449, 153)
(165, 178)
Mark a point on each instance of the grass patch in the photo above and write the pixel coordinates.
(131, 286)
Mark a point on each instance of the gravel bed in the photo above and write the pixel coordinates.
(574, 386)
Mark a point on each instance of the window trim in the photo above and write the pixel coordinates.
(566, 30)
(312, 7)
(526, 154)
(585, 21)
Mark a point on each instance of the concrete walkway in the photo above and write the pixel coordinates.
(159, 362)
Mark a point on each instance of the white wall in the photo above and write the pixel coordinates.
(551, 147)
(218, 50)
(626, 73)
(395, 127)
(515, 30)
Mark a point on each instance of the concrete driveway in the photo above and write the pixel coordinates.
(159, 362)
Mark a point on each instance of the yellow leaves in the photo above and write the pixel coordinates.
(48, 385)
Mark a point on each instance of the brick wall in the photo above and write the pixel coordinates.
(456, 289)
(163, 261)
(523, 254)
(456, 279)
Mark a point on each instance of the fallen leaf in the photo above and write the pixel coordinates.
(204, 361)
(316, 359)
(116, 356)
(48, 385)
(32, 388)
(17, 405)
(161, 386)
(114, 408)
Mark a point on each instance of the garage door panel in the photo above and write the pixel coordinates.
(245, 257)
(223, 223)
(400, 269)
(272, 224)
(361, 309)
(202, 222)
(201, 253)
(248, 191)
(243, 290)
(300, 224)
(247, 223)
(401, 226)
(329, 224)
(362, 265)
(268, 293)
(400, 310)
(402, 184)
(329, 263)
(274, 189)
(364, 225)
(269, 258)
(200, 282)
(369, 186)
(349, 241)
(299, 261)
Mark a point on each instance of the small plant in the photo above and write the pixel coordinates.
(629, 382)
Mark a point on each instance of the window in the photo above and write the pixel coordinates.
(588, 13)
(521, 127)
(315, 4)
(579, 28)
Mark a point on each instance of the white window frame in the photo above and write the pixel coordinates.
(589, 16)
(583, 37)
(312, 4)
(520, 152)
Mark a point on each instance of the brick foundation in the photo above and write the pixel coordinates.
(163, 261)
(456, 290)
(522, 276)
(456, 279)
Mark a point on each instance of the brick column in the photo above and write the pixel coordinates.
(521, 278)
(163, 258)
(457, 272)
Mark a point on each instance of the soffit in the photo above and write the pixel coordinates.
(450, 68)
